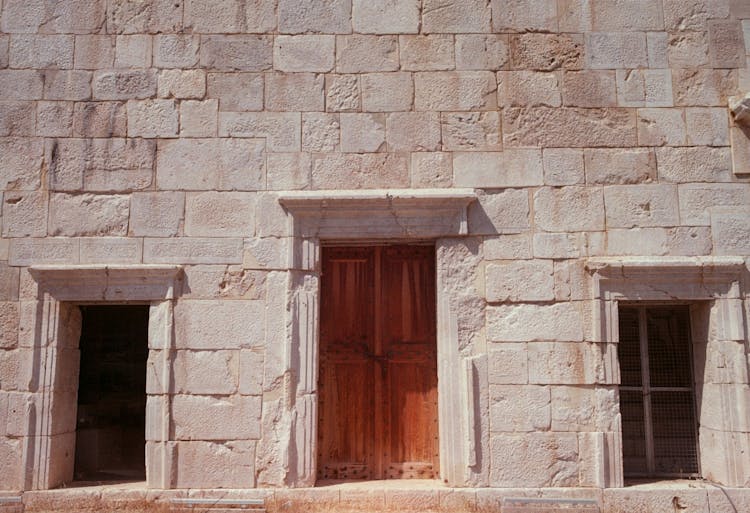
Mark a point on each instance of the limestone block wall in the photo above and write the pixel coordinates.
(137, 133)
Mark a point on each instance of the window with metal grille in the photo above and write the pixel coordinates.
(657, 403)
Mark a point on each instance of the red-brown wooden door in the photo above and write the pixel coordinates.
(378, 364)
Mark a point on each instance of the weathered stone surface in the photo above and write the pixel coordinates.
(452, 17)
(192, 250)
(156, 214)
(508, 364)
(182, 84)
(294, 92)
(696, 164)
(390, 17)
(528, 88)
(364, 54)
(25, 214)
(362, 133)
(519, 281)
(41, 51)
(413, 131)
(222, 214)
(515, 408)
(368, 171)
(481, 51)
(304, 53)
(201, 417)
(387, 92)
(589, 89)
(471, 131)
(730, 229)
(509, 168)
(236, 53)
(176, 51)
(211, 164)
(342, 93)
(124, 85)
(563, 166)
(217, 324)
(94, 52)
(431, 169)
(215, 464)
(67, 85)
(224, 281)
(527, 323)
(99, 119)
(21, 84)
(508, 247)
(311, 16)
(688, 49)
(320, 132)
(569, 209)
(740, 151)
(110, 250)
(11, 454)
(629, 206)
(17, 118)
(288, 171)
(644, 88)
(616, 50)
(88, 214)
(432, 52)
(558, 245)
(707, 126)
(546, 52)
(534, 460)
(655, 500)
(583, 408)
(506, 211)
(726, 45)
(54, 119)
(703, 87)
(132, 17)
(565, 363)
(620, 166)
(230, 16)
(152, 118)
(571, 127)
(661, 127)
(133, 51)
(199, 118)
(460, 90)
(524, 16)
(692, 15)
(43, 251)
(206, 372)
(236, 91)
(21, 165)
(280, 130)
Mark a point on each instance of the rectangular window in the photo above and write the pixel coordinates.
(657, 403)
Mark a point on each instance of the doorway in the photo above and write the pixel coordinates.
(111, 415)
(378, 416)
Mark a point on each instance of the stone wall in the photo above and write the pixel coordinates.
(140, 138)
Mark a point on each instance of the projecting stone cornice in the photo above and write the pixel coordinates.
(379, 213)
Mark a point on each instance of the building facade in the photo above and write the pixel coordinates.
(500, 245)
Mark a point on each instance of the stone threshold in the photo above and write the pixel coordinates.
(422, 496)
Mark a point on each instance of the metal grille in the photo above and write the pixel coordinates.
(656, 394)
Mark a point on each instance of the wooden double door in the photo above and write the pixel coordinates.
(378, 415)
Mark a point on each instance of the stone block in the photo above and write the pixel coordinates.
(508, 247)
(519, 408)
(54, 119)
(266, 253)
(304, 53)
(695, 164)
(294, 92)
(584, 408)
(288, 171)
(730, 229)
(41, 51)
(100, 164)
(132, 17)
(546, 52)
(569, 127)
(320, 132)
(616, 50)
(228, 464)
(358, 53)
(565, 363)
(251, 372)
(401, 17)
(563, 166)
(432, 52)
(199, 118)
(4, 46)
(133, 51)
(707, 126)
(687, 49)
(508, 364)
(460, 90)
(21, 165)
(220, 214)
(312, 16)
(740, 150)
(94, 52)
(697, 200)
(111, 250)
(472, 16)
(519, 281)
(630, 206)
(88, 214)
(9, 322)
(153, 118)
(280, 130)
(411, 500)
(352, 171)
(67, 85)
(211, 164)
(431, 169)
(614, 16)
(689, 241)
(482, 52)
(192, 250)
(589, 89)
(509, 168)
(11, 452)
(534, 460)
(9, 282)
(726, 44)
(219, 324)
(505, 211)
(17, 118)
(703, 87)
(124, 84)
(569, 209)
(527, 323)
(231, 16)
(182, 84)
(619, 166)
(236, 91)
(223, 281)
(24, 252)
(25, 214)
(572, 280)
(177, 50)
(559, 245)
(479, 131)
(21, 84)
(624, 500)
(657, 44)
(412, 131)
(342, 93)
(692, 15)
(524, 16)
(362, 133)
(528, 89)
(644, 88)
(206, 372)
(99, 119)
(156, 214)
(661, 127)
(236, 53)
(387, 92)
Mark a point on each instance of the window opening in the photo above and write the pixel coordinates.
(111, 415)
(657, 399)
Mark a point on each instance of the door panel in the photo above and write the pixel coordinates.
(378, 364)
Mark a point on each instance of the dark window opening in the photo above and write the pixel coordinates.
(111, 417)
(657, 402)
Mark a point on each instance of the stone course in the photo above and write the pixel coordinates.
(152, 134)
